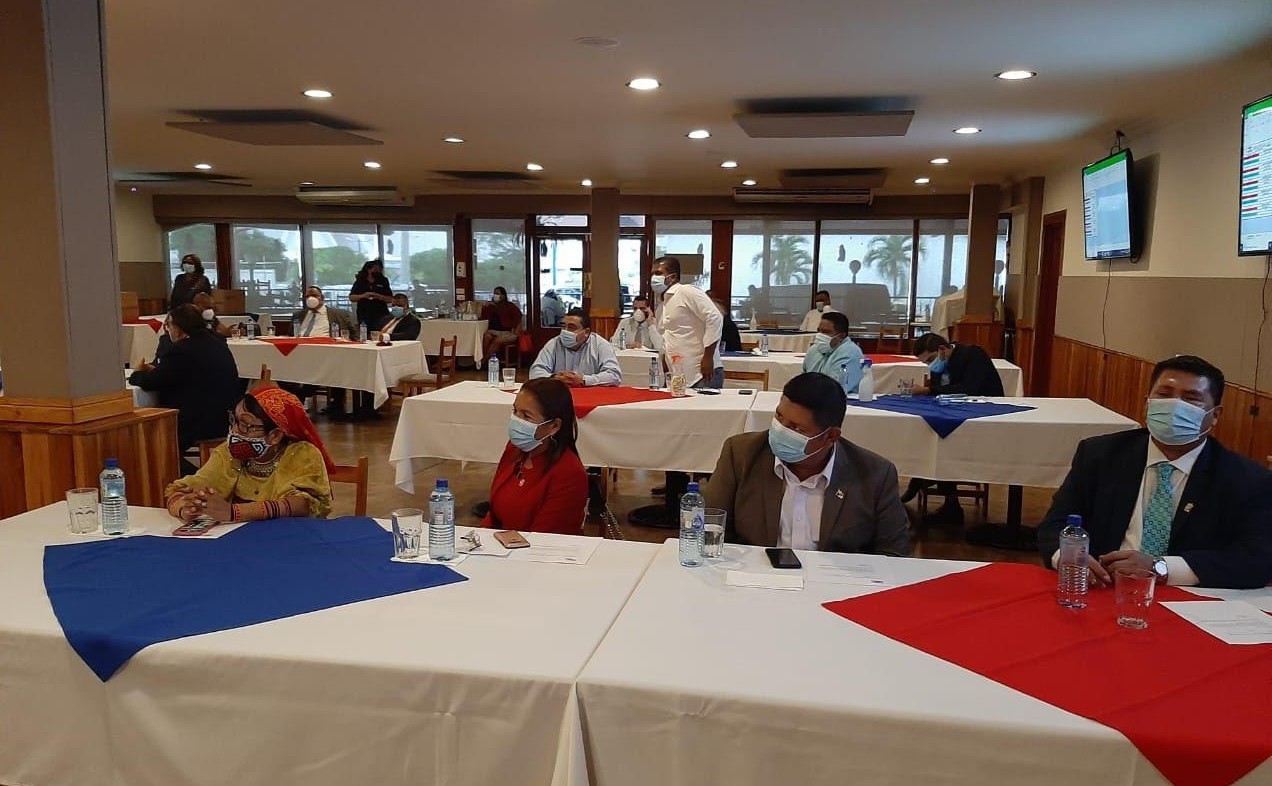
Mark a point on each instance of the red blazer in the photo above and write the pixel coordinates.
(551, 500)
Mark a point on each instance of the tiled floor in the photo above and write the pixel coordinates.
(471, 485)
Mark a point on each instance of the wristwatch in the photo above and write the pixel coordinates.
(1159, 568)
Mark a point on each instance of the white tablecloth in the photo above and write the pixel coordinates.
(783, 366)
(138, 343)
(781, 342)
(346, 365)
(141, 398)
(469, 422)
(467, 334)
(1031, 448)
(699, 683)
(471, 683)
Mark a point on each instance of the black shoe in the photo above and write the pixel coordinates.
(658, 491)
(945, 516)
(481, 509)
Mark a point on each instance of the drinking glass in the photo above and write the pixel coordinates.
(907, 387)
(408, 526)
(1133, 594)
(509, 377)
(82, 505)
(376, 336)
(713, 532)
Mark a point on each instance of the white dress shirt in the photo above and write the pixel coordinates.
(316, 323)
(802, 504)
(812, 320)
(688, 322)
(1179, 571)
(595, 361)
(641, 333)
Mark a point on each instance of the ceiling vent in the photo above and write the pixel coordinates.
(274, 127)
(838, 196)
(825, 118)
(839, 177)
(354, 196)
(184, 178)
(486, 180)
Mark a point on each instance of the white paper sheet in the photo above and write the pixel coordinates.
(562, 549)
(1231, 621)
(858, 569)
(788, 580)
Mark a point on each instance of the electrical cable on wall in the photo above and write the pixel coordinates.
(1263, 323)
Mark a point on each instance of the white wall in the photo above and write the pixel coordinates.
(139, 245)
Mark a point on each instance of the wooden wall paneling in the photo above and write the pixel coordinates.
(604, 326)
(986, 334)
(12, 487)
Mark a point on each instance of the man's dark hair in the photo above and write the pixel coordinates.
(640, 299)
(819, 394)
(929, 342)
(840, 321)
(1191, 364)
(402, 295)
(825, 292)
(582, 315)
(673, 264)
(189, 318)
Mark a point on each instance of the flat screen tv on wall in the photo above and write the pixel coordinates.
(1254, 223)
(1107, 211)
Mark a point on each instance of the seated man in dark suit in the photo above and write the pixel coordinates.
(198, 378)
(955, 368)
(800, 485)
(1170, 498)
(402, 324)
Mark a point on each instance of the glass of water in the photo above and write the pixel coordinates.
(509, 377)
(1132, 595)
(907, 387)
(408, 525)
(713, 533)
(82, 505)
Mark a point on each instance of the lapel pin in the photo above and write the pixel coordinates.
(1188, 506)
(839, 493)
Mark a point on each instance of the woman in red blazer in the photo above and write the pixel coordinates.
(540, 484)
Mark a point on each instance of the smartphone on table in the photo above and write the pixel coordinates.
(512, 540)
(783, 559)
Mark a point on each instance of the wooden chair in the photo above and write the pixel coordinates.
(761, 377)
(443, 371)
(747, 346)
(358, 475)
(766, 324)
(892, 338)
(508, 351)
(977, 492)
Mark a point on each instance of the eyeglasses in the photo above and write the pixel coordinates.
(250, 429)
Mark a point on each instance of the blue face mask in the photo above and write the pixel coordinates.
(397, 311)
(938, 364)
(790, 446)
(569, 340)
(1173, 421)
(521, 434)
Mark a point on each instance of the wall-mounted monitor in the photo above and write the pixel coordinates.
(1254, 223)
(1107, 210)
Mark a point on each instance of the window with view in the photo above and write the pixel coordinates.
(267, 266)
(420, 263)
(197, 239)
(773, 271)
(679, 237)
(866, 266)
(336, 253)
(943, 261)
(499, 258)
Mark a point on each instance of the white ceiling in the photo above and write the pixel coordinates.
(507, 76)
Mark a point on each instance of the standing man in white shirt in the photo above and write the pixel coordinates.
(690, 326)
(638, 326)
(821, 305)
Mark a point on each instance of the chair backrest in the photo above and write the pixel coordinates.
(446, 363)
(747, 346)
(766, 323)
(761, 377)
(893, 335)
(357, 474)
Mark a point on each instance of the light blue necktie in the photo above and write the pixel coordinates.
(1160, 512)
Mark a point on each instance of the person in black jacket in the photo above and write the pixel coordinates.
(956, 368)
(189, 282)
(1170, 498)
(730, 338)
(198, 378)
(402, 324)
(372, 294)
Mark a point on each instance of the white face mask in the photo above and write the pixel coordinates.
(825, 307)
(208, 315)
(187, 268)
(639, 316)
(658, 284)
(312, 303)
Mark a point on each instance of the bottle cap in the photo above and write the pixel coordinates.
(693, 486)
(1073, 520)
(443, 483)
(112, 463)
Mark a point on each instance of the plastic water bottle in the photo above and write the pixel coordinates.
(296, 328)
(692, 523)
(492, 372)
(362, 332)
(1075, 545)
(655, 372)
(764, 344)
(865, 388)
(845, 379)
(333, 329)
(441, 522)
(114, 501)
(249, 327)
(622, 338)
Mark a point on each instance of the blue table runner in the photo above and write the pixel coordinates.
(944, 419)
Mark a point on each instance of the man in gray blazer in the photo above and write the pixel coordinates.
(799, 485)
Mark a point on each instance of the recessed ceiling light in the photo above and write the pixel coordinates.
(729, 164)
(316, 92)
(371, 164)
(133, 189)
(203, 167)
(533, 167)
(939, 161)
(644, 83)
(596, 40)
(748, 182)
(922, 181)
(454, 140)
(587, 183)
(1016, 74)
(967, 130)
(306, 182)
(699, 133)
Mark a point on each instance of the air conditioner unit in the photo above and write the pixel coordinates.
(370, 196)
(842, 196)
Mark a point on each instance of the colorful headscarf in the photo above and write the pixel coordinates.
(289, 415)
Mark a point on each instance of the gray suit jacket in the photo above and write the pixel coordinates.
(862, 511)
(336, 316)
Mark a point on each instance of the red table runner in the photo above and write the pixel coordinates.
(288, 345)
(588, 399)
(1200, 710)
(877, 359)
(154, 324)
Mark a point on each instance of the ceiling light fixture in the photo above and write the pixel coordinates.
(586, 183)
(533, 167)
(922, 181)
(699, 133)
(203, 167)
(454, 140)
(939, 161)
(730, 164)
(644, 83)
(133, 189)
(371, 164)
(748, 182)
(315, 92)
(965, 130)
(597, 40)
(1016, 74)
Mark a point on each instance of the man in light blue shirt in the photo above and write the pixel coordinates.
(577, 359)
(832, 349)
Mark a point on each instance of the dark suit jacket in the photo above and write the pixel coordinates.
(730, 336)
(862, 510)
(1222, 527)
(407, 329)
(199, 379)
(971, 371)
